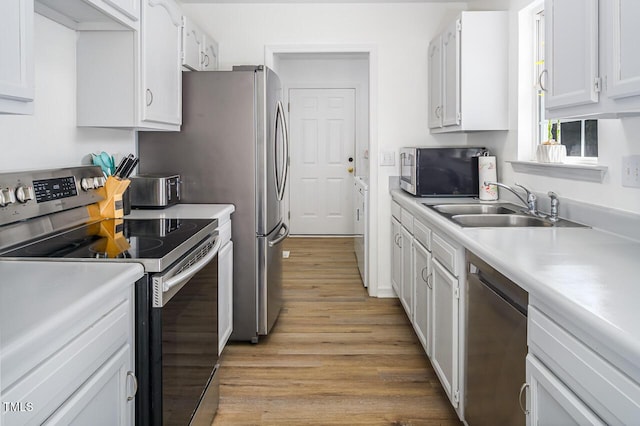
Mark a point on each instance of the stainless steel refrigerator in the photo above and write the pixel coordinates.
(233, 148)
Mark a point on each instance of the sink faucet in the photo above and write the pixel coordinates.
(553, 213)
(531, 202)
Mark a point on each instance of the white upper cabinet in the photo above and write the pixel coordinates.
(161, 62)
(192, 45)
(468, 81)
(435, 85)
(16, 51)
(591, 61)
(624, 67)
(133, 79)
(211, 55)
(571, 53)
(199, 50)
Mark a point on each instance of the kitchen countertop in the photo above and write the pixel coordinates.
(222, 212)
(588, 278)
(38, 298)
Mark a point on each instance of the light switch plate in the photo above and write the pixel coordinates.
(631, 171)
(387, 158)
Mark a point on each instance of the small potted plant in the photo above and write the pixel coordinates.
(551, 151)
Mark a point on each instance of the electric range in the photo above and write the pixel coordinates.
(49, 215)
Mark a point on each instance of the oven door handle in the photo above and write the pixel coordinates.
(189, 272)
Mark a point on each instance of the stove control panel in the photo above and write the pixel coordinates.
(25, 195)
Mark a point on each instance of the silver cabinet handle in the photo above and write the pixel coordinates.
(430, 281)
(425, 278)
(542, 73)
(206, 60)
(400, 241)
(524, 386)
(438, 111)
(149, 97)
(131, 374)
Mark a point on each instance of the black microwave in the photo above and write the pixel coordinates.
(440, 172)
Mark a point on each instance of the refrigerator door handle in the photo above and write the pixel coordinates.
(281, 236)
(281, 183)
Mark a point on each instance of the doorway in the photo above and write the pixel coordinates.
(328, 97)
(322, 133)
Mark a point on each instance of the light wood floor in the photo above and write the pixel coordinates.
(335, 355)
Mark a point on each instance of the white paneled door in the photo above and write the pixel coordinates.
(322, 133)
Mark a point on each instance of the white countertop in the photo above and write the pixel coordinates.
(222, 212)
(587, 276)
(38, 300)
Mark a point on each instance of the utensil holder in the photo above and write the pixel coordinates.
(112, 206)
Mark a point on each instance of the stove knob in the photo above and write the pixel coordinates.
(7, 196)
(99, 181)
(25, 193)
(87, 184)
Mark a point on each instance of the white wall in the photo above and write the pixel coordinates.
(399, 31)
(49, 137)
(616, 137)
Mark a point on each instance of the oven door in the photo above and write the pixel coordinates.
(184, 340)
(408, 170)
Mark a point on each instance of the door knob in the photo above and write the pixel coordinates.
(350, 169)
(351, 159)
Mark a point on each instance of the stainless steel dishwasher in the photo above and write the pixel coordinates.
(496, 346)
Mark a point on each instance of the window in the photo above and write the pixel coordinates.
(579, 136)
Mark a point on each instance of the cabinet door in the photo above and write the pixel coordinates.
(396, 257)
(407, 272)
(192, 47)
(105, 399)
(621, 25)
(444, 355)
(423, 294)
(210, 59)
(16, 51)
(551, 402)
(161, 64)
(225, 295)
(571, 53)
(435, 83)
(451, 75)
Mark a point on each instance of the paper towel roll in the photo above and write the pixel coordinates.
(487, 172)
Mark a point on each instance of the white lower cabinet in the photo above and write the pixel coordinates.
(407, 272)
(569, 380)
(444, 356)
(100, 399)
(423, 303)
(396, 257)
(225, 294)
(551, 402)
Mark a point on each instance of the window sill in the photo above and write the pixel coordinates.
(586, 172)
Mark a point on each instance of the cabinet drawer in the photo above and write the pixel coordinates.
(406, 219)
(225, 233)
(422, 234)
(612, 395)
(395, 210)
(445, 253)
(52, 382)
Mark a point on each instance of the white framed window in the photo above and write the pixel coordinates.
(580, 137)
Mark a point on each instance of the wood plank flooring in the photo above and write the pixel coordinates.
(334, 357)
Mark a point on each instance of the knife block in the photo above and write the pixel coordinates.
(111, 207)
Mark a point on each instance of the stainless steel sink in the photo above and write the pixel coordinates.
(500, 220)
(496, 215)
(453, 209)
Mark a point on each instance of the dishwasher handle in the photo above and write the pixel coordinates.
(506, 289)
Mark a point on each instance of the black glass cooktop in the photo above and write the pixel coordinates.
(157, 240)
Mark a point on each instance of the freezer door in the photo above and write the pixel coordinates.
(272, 150)
(270, 277)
